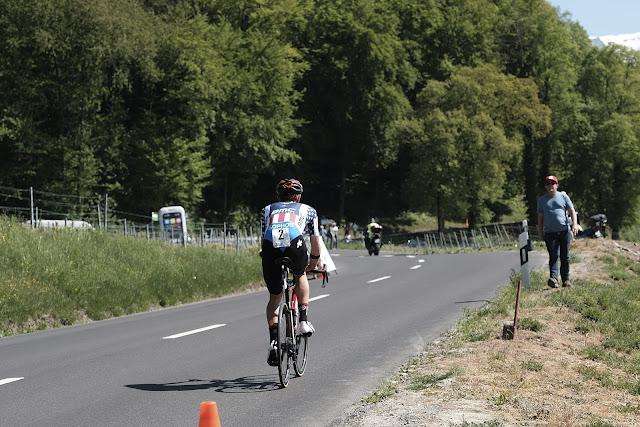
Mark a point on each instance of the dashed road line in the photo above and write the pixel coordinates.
(10, 380)
(416, 266)
(195, 331)
(378, 279)
(318, 297)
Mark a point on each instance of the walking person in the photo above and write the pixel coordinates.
(557, 229)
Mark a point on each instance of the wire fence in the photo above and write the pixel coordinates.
(43, 209)
(455, 240)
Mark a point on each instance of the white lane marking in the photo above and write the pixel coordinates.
(10, 380)
(318, 297)
(411, 256)
(195, 331)
(416, 266)
(387, 256)
(420, 260)
(378, 279)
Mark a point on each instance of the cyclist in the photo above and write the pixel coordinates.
(282, 228)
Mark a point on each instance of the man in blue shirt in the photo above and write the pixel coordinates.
(556, 229)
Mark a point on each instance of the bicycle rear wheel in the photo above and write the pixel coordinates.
(285, 344)
(302, 346)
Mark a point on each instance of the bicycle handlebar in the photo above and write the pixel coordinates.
(325, 275)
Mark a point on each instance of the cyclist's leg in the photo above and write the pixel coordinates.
(299, 262)
(272, 309)
(302, 289)
(272, 274)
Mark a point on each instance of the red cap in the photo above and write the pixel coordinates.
(551, 178)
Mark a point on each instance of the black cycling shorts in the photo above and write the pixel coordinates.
(272, 272)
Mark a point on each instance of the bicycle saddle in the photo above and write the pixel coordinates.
(285, 260)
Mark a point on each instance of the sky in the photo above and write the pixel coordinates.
(603, 17)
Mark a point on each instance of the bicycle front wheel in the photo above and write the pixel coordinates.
(302, 346)
(285, 344)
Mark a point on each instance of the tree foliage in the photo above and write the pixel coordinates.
(462, 104)
(466, 131)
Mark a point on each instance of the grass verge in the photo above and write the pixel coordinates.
(63, 276)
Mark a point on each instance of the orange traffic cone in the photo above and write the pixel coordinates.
(209, 415)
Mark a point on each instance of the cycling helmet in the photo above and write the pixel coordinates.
(288, 187)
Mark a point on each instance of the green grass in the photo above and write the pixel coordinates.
(529, 324)
(532, 365)
(422, 382)
(478, 325)
(57, 277)
(612, 308)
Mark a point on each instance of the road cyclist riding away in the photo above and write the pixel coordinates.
(282, 228)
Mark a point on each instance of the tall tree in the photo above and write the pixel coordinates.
(535, 42)
(63, 62)
(605, 171)
(465, 134)
(353, 90)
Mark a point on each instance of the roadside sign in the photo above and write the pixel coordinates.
(524, 244)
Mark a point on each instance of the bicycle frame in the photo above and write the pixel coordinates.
(286, 323)
(292, 347)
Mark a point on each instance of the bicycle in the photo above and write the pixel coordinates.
(290, 354)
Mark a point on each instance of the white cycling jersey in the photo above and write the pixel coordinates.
(281, 222)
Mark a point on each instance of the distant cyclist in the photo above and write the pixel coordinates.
(282, 228)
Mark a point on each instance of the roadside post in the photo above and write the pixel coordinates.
(509, 328)
(525, 246)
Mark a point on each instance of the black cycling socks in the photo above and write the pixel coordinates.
(302, 310)
(273, 332)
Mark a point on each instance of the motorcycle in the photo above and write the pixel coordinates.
(597, 226)
(374, 243)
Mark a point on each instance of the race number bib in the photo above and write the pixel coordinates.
(281, 237)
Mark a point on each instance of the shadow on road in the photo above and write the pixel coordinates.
(249, 384)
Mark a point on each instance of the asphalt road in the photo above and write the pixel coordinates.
(144, 370)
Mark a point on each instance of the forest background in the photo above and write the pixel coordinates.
(458, 108)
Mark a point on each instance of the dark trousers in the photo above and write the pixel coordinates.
(558, 246)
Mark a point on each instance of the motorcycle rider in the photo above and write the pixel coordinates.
(367, 237)
(282, 225)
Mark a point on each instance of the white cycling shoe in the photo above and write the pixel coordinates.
(306, 328)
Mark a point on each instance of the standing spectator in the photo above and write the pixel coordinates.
(556, 229)
(334, 235)
(323, 234)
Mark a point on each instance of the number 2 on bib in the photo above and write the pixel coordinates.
(281, 238)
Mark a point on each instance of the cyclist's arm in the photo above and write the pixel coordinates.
(315, 251)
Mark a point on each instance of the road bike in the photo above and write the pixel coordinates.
(292, 346)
